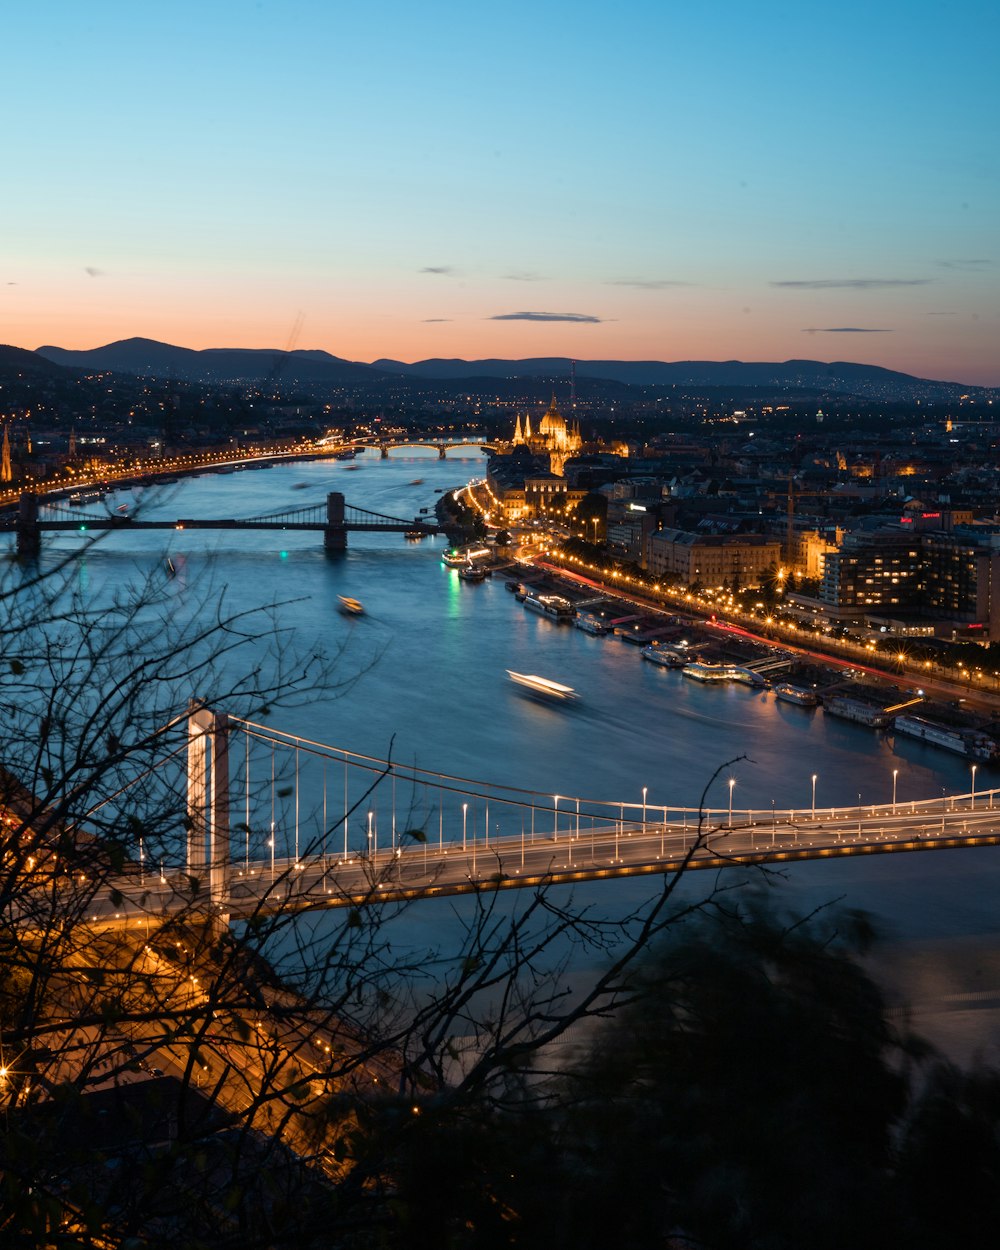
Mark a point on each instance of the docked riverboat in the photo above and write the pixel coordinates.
(665, 657)
(591, 625)
(472, 573)
(857, 710)
(795, 694)
(706, 672)
(459, 557)
(553, 606)
(747, 676)
(968, 742)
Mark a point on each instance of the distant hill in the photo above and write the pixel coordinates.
(15, 362)
(814, 374)
(148, 358)
(319, 372)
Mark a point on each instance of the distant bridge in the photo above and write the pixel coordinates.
(334, 519)
(385, 445)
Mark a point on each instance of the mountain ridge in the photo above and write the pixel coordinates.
(148, 357)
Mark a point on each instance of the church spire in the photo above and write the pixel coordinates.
(5, 470)
(518, 436)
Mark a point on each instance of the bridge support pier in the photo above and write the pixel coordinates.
(385, 451)
(208, 849)
(335, 532)
(441, 453)
(29, 537)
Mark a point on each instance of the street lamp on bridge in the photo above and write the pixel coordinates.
(814, 796)
(644, 788)
(732, 782)
(895, 774)
(972, 803)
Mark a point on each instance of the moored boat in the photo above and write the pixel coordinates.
(746, 676)
(700, 671)
(972, 743)
(857, 710)
(665, 657)
(592, 625)
(795, 694)
(553, 606)
(471, 573)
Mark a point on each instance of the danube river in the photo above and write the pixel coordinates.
(425, 669)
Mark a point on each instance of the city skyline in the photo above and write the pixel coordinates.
(724, 184)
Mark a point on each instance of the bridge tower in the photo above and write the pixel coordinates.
(29, 538)
(208, 850)
(335, 531)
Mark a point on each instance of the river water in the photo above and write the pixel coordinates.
(425, 669)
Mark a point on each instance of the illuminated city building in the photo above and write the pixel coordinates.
(554, 437)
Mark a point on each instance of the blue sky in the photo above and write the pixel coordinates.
(717, 181)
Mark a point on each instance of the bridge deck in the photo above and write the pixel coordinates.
(423, 871)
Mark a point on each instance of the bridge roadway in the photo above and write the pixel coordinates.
(419, 871)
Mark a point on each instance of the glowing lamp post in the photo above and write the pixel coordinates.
(732, 782)
(895, 774)
(814, 796)
(972, 803)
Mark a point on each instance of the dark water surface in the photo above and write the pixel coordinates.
(430, 656)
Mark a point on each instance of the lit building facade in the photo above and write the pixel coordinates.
(734, 560)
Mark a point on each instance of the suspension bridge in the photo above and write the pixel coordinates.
(279, 822)
(334, 519)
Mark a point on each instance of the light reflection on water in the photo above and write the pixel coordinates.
(432, 654)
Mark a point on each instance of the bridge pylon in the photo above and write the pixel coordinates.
(208, 849)
(442, 454)
(29, 536)
(335, 531)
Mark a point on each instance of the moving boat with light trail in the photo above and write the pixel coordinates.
(542, 688)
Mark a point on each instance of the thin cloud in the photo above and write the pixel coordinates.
(524, 275)
(442, 270)
(846, 330)
(966, 264)
(432, 320)
(648, 284)
(579, 318)
(850, 284)
(91, 272)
